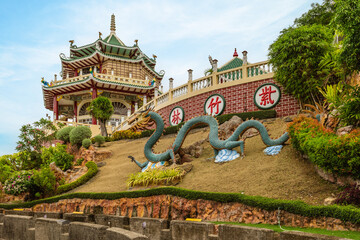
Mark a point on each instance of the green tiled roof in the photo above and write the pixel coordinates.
(114, 41)
(234, 63)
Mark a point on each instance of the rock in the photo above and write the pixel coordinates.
(329, 201)
(344, 130)
(288, 119)
(251, 132)
(101, 164)
(59, 174)
(227, 128)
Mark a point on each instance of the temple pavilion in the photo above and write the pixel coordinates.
(106, 67)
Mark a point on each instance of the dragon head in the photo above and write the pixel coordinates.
(141, 121)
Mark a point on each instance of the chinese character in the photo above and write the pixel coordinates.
(176, 117)
(266, 96)
(214, 104)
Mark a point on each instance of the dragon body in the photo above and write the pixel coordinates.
(217, 144)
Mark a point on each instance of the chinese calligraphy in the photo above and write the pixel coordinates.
(266, 96)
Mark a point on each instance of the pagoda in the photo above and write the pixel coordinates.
(106, 67)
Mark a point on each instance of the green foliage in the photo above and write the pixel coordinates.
(347, 23)
(336, 154)
(296, 55)
(155, 176)
(101, 108)
(344, 213)
(345, 100)
(247, 115)
(32, 137)
(17, 184)
(43, 182)
(6, 168)
(63, 134)
(79, 161)
(92, 170)
(321, 14)
(78, 134)
(350, 195)
(99, 140)
(63, 160)
(86, 143)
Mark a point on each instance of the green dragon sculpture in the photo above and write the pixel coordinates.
(214, 140)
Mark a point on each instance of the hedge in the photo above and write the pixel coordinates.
(263, 114)
(336, 154)
(344, 213)
(92, 170)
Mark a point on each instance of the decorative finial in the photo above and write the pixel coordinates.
(154, 56)
(235, 54)
(112, 24)
(71, 42)
(100, 35)
(136, 41)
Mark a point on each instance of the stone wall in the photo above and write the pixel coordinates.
(177, 208)
(239, 98)
(19, 227)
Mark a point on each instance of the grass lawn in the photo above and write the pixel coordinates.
(276, 228)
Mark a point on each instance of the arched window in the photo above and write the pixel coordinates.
(119, 108)
(83, 108)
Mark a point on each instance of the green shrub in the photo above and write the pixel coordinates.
(92, 170)
(43, 183)
(17, 184)
(6, 167)
(63, 160)
(337, 154)
(125, 134)
(79, 161)
(99, 140)
(78, 134)
(86, 143)
(63, 134)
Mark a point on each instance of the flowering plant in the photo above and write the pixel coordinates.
(18, 184)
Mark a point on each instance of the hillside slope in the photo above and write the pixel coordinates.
(285, 176)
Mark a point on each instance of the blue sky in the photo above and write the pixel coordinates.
(181, 33)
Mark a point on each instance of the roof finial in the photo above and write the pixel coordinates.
(235, 54)
(112, 24)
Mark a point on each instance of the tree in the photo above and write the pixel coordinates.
(101, 108)
(320, 14)
(347, 23)
(296, 55)
(32, 137)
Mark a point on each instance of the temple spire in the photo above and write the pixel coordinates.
(112, 24)
(235, 54)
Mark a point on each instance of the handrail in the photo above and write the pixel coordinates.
(102, 76)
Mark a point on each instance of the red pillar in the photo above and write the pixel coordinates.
(94, 95)
(56, 107)
(75, 111)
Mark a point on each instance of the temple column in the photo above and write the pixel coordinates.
(136, 106)
(56, 108)
(75, 111)
(144, 100)
(93, 96)
(128, 112)
(132, 107)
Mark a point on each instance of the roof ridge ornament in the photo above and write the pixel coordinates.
(112, 24)
(235, 54)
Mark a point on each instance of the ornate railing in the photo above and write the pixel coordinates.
(102, 76)
(217, 80)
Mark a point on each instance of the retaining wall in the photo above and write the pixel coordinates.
(21, 227)
(239, 98)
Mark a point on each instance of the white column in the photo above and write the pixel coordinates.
(130, 75)
(67, 75)
(128, 112)
(162, 88)
(244, 57)
(80, 72)
(55, 77)
(156, 92)
(144, 100)
(171, 82)
(215, 61)
(94, 69)
(136, 106)
(109, 123)
(112, 71)
(122, 119)
(190, 71)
